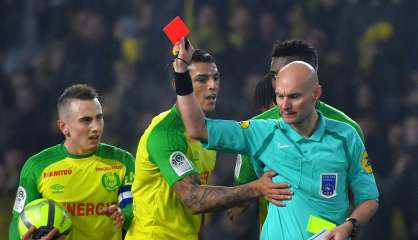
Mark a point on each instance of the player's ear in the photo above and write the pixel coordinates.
(173, 84)
(62, 126)
(317, 92)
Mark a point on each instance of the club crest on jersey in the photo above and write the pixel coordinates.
(111, 181)
(365, 163)
(244, 124)
(180, 163)
(328, 187)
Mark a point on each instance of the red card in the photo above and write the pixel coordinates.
(176, 29)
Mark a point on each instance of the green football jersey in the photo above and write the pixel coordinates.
(166, 155)
(82, 184)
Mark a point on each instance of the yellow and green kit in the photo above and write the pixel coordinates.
(166, 155)
(83, 185)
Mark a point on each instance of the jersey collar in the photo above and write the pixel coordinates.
(296, 137)
(66, 153)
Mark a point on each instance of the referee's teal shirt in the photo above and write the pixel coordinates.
(320, 169)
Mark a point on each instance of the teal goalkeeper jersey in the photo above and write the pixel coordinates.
(320, 169)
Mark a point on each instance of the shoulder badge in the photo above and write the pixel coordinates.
(244, 124)
(20, 199)
(180, 163)
(365, 163)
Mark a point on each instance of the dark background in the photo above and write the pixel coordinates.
(368, 68)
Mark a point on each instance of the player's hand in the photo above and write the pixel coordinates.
(49, 236)
(275, 193)
(237, 210)
(184, 55)
(341, 232)
(115, 213)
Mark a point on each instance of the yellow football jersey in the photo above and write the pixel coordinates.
(165, 155)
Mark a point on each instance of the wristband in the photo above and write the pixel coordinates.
(356, 226)
(181, 59)
(183, 83)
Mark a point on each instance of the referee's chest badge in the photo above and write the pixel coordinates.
(328, 185)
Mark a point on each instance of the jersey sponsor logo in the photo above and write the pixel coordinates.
(365, 163)
(56, 173)
(329, 183)
(244, 124)
(111, 181)
(238, 164)
(86, 209)
(20, 199)
(108, 168)
(180, 163)
(57, 188)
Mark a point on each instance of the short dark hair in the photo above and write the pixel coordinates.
(77, 91)
(200, 55)
(264, 94)
(297, 49)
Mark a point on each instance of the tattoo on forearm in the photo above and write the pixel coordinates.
(204, 198)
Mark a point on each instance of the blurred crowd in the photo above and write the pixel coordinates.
(367, 66)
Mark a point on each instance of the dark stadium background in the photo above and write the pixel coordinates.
(368, 68)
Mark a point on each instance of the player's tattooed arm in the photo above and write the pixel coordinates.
(204, 198)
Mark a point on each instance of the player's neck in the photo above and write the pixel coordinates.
(308, 125)
(74, 150)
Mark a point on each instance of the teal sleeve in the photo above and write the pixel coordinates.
(245, 137)
(26, 192)
(246, 167)
(361, 178)
(167, 148)
(244, 170)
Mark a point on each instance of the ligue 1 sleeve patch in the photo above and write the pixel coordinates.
(20, 199)
(180, 163)
(365, 163)
(244, 124)
(329, 183)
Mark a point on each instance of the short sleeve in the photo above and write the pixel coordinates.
(169, 150)
(129, 162)
(245, 137)
(361, 178)
(125, 199)
(27, 191)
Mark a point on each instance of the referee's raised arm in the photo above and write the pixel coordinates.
(193, 117)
